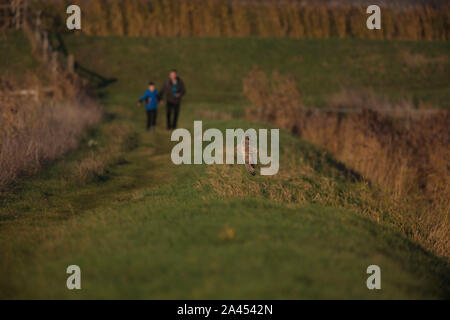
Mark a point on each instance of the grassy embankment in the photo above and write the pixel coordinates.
(140, 227)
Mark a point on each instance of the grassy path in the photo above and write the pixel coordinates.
(145, 228)
(154, 230)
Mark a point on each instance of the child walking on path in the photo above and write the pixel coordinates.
(151, 105)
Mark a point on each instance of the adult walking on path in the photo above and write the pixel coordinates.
(172, 90)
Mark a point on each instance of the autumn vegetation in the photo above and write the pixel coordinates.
(406, 157)
(420, 20)
(118, 207)
(35, 129)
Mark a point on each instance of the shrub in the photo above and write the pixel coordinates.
(407, 157)
(34, 131)
(91, 168)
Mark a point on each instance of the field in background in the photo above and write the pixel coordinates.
(417, 20)
(214, 68)
(141, 227)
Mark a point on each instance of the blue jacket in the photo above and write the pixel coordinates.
(151, 99)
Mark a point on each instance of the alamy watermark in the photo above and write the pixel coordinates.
(374, 20)
(374, 280)
(249, 146)
(74, 280)
(73, 22)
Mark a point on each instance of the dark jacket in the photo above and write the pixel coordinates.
(167, 91)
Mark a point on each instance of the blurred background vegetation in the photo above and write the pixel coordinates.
(365, 129)
(406, 20)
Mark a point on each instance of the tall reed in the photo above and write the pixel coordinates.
(33, 132)
(268, 18)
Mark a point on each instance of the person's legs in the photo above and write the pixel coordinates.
(176, 110)
(149, 119)
(155, 114)
(168, 111)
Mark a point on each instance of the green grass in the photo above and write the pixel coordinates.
(15, 54)
(16, 60)
(214, 68)
(150, 229)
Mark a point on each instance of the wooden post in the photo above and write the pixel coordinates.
(70, 64)
(54, 62)
(37, 35)
(45, 47)
(25, 15)
(37, 30)
(16, 14)
(17, 8)
(408, 119)
(38, 20)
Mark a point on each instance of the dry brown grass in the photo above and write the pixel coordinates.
(417, 60)
(408, 158)
(278, 101)
(269, 18)
(94, 167)
(33, 132)
(359, 99)
(90, 168)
